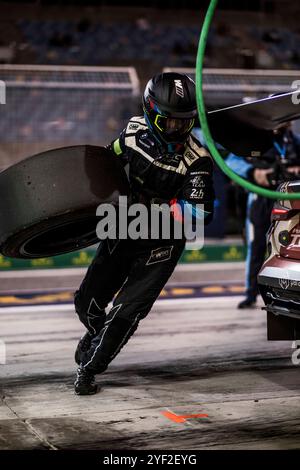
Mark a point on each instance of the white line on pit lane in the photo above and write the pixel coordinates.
(162, 303)
(54, 272)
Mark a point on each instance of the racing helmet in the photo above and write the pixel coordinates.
(170, 107)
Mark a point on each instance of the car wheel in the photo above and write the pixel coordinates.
(48, 202)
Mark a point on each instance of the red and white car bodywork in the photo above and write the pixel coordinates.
(279, 278)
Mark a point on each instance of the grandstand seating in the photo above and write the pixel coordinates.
(55, 115)
(64, 42)
(104, 42)
(61, 105)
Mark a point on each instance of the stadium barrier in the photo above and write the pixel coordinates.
(209, 253)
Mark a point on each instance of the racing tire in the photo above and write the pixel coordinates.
(48, 201)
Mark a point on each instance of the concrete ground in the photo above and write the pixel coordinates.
(197, 356)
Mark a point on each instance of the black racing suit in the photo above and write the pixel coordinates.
(133, 272)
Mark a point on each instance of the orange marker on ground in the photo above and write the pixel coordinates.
(181, 418)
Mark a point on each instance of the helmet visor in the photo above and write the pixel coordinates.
(173, 126)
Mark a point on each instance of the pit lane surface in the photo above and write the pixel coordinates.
(188, 357)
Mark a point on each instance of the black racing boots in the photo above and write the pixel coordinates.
(249, 302)
(85, 382)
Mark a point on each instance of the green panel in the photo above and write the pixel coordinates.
(84, 257)
(215, 253)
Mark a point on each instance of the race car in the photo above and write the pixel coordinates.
(279, 278)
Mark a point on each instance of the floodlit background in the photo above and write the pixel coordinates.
(74, 72)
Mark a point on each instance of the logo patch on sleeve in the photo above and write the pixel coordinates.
(133, 126)
(160, 254)
(190, 157)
